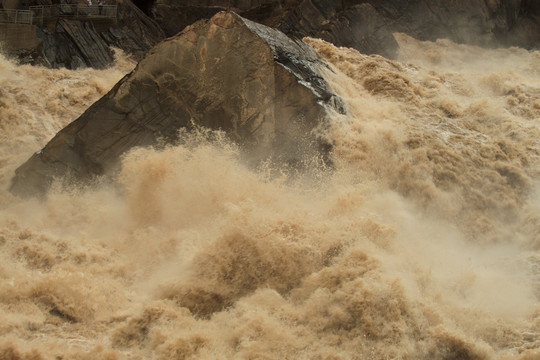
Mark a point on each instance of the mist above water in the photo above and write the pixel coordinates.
(421, 243)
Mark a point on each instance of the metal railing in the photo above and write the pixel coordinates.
(16, 16)
(73, 11)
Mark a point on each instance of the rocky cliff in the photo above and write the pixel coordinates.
(342, 23)
(367, 25)
(72, 42)
(264, 89)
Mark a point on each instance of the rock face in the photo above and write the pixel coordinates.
(75, 43)
(356, 24)
(264, 89)
(345, 23)
(174, 15)
(476, 22)
(135, 32)
(367, 25)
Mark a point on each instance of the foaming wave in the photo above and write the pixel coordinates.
(37, 102)
(419, 244)
(450, 140)
(200, 256)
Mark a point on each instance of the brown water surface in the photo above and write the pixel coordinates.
(421, 243)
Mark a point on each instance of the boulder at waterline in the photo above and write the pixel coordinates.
(261, 87)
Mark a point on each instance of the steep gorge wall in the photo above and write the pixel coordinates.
(367, 26)
(87, 42)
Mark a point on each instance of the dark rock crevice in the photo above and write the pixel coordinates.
(145, 6)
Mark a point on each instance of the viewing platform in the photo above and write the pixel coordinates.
(13, 16)
(16, 30)
(72, 11)
(18, 27)
(37, 14)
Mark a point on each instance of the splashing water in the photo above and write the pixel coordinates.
(36, 103)
(421, 243)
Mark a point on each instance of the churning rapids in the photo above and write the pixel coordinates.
(422, 242)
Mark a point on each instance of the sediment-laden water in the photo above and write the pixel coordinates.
(420, 242)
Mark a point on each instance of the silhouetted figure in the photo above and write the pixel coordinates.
(100, 4)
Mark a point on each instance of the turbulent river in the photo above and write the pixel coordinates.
(422, 241)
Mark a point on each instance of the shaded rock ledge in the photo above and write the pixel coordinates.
(261, 87)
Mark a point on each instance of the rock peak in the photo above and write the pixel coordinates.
(265, 90)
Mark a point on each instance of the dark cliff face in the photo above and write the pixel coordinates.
(368, 25)
(174, 15)
(475, 22)
(351, 24)
(263, 89)
(358, 25)
(87, 41)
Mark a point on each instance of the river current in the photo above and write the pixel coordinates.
(420, 242)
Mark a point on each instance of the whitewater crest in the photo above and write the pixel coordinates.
(420, 243)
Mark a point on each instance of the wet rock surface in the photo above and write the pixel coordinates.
(264, 89)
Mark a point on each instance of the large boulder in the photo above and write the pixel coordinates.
(264, 89)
